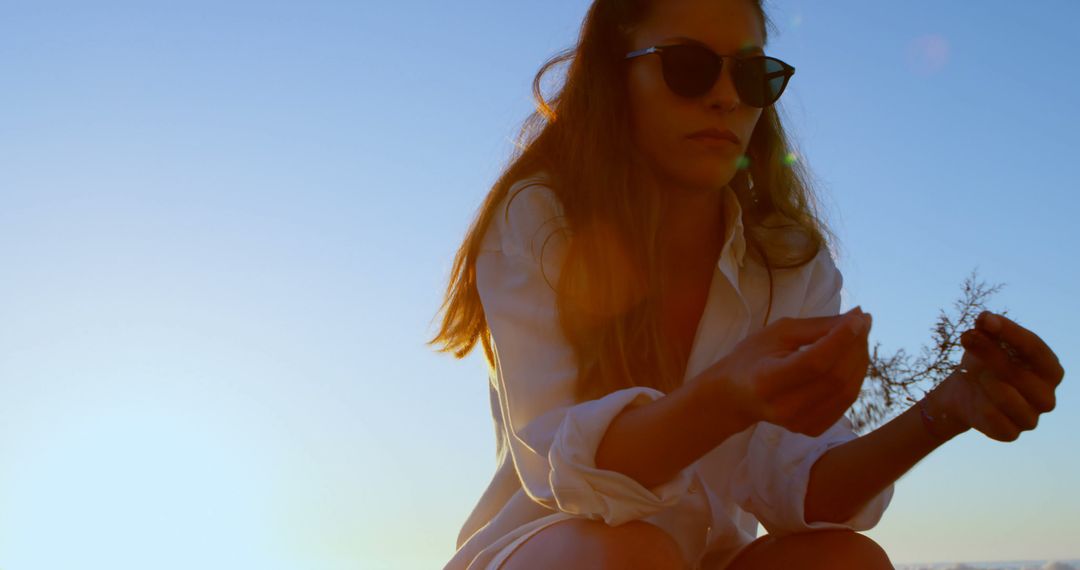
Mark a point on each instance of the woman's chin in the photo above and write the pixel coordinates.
(713, 177)
(698, 175)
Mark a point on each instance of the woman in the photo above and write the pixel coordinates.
(659, 311)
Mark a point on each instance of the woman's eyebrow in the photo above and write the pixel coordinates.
(749, 48)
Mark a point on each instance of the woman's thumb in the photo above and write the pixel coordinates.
(797, 332)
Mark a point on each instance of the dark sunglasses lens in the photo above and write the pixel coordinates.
(690, 71)
(761, 80)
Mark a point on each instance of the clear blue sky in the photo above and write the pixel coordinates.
(226, 229)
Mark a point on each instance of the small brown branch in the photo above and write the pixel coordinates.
(896, 381)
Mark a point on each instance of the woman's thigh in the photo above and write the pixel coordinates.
(590, 544)
(822, 549)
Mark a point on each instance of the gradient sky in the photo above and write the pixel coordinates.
(226, 229)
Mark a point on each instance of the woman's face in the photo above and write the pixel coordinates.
(663, 120)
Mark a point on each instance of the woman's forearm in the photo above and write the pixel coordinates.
(651, 443)
(849, 475)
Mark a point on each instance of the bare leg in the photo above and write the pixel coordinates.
(593, 545)
(817, 550)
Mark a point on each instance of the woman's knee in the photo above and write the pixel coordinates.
(833, 548)
(865, 548)
(585, 543)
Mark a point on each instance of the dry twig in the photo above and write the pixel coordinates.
(896, 381)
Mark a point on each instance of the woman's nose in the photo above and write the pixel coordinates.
(723, 92)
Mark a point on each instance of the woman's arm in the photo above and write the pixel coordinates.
(654, 442)
(847, 476)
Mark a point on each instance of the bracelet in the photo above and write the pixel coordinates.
(928, 422)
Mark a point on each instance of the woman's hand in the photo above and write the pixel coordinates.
(1010, 379)
(799, 373)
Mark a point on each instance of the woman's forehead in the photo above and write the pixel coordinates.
(726, 26)
(746, 47)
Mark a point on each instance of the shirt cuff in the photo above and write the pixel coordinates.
(865, 519)
(580, 488)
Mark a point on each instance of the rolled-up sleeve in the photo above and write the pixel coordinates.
(551, 438)
(772, 480)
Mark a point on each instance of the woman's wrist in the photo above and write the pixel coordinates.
(726, 404)
(940, 415)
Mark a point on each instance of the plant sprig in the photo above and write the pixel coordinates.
(898, 380)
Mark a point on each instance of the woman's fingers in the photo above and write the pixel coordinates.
(793, 333)
(815, 360)
(821, 401)
(1030, 347)
(814, 409)
(997, 425)
(809, 388)
(1031, 387)
(1007, 400)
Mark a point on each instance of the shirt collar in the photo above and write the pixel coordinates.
(733, 226)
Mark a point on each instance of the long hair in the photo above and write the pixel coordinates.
(610, 286)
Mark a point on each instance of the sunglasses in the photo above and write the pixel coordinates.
(692, 70)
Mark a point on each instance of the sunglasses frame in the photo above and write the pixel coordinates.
(786, 70)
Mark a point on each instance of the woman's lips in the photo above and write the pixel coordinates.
(714, 142)
(715, 132)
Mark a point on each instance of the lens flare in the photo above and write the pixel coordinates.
(927, 54)
(742, 163)
(790, 158)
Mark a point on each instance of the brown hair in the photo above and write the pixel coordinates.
(609, 288)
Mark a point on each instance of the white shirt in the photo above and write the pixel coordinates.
(546, 444)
